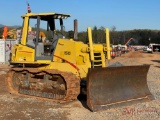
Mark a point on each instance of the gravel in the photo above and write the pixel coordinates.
(26, 108)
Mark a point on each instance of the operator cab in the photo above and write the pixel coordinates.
(44, 34)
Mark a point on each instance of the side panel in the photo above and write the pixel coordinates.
(22, 53)
(70, 52)
(65, 49)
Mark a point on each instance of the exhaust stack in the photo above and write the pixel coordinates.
(75, 29)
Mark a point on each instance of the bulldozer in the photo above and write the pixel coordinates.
(57, 68)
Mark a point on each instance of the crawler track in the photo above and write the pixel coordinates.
(67, 90)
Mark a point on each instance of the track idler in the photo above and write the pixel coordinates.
(116, 86)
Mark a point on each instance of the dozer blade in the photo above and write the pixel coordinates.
(117, 86)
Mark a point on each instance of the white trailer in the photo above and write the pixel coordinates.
(5, 49)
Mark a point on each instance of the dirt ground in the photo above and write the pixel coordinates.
(14, 107)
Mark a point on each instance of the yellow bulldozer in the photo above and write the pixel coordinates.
(57, 68)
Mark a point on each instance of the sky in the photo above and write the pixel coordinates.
(123, 14)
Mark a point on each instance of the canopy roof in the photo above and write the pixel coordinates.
(43, 15)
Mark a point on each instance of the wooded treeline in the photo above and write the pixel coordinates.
(141, 36)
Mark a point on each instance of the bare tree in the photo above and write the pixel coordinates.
(112, 34)
(113, 28)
